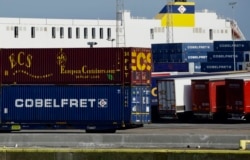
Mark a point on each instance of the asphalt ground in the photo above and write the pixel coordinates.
(168, 135)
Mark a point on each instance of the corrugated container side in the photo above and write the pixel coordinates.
(166, 98)
(200, 96)
(183, 47)
(218, 96)
(175, 57)
(74, 104)
(216, 66)
(225, 56)
(208, 96)
(228, 45)
(171, 67)
(141, 66)
(161, 50)
(159, 56)
(235, 96)
(174, 96)
(154, 90)
(76, 66)
(140, 104)
(194, 57)
(197, 47)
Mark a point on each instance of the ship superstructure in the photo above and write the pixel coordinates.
(177, 22)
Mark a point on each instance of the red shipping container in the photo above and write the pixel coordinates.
(238, 97)
(208, 98)
(128, 66)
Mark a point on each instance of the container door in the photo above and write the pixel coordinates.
(140, 103)
(166, 95)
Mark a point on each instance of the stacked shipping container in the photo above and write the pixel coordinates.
(226, 56)
(179, 56)
(88, 88)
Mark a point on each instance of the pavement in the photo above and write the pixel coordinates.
(167, 136)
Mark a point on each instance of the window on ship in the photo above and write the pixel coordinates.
(53, 32)
(16, 32)
(109, 33)
(85, 32)
(93, 33)
(33, 34)
(69, 32)
(101, 33)
(151, 33)
(77, 32)
(210, 34)
(61, 32)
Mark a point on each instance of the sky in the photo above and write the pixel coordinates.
(106, 9)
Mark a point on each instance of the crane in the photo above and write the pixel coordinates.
(169, 23)
(120, 24)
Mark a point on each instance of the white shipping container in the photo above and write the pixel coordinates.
(174, 96)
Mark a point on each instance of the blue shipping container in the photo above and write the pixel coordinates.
(159, 57)
(75, 104)
(175, 57)
(216, 66)
(228, 45)
(225, 56)
(194, 57)
(171, 67)
(182, 47)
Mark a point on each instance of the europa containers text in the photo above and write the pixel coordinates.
(131, 66)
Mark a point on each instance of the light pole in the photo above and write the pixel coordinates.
(233, 4)
(112, 40)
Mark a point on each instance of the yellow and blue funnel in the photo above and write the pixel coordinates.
(177, 14)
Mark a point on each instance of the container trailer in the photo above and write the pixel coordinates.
(174, 98)
(209, 97)
(175, 94)
(92, 108)
(238, 98)
(128, 66)
(154, 92)
(155, 76)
